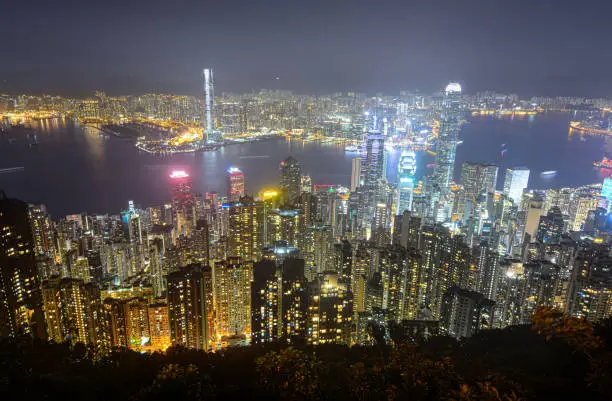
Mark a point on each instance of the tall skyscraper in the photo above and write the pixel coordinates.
(266, 299)
(242, 236)
(209, 100)
(190, 307)
(515, 182)
(448, 136)
(372, 177)
(477, 179)
(232, 278)
(74, 312)
(406, 169)
(355, 173)
(290, 179)
(183, 203)
(235, 184)
(606, 191)
(20, 296)
(330, 310)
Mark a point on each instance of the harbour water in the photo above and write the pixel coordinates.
(73, 168)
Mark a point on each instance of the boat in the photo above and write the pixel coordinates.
(605, 163)
(351, 148)
(549, 174)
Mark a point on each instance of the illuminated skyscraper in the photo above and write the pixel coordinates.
(74, 312)
(190, 307)
(242, 235)
(515, 182)
(266, 298)
(330, 310)
(406, 169)
(232, 278)
(606, 191)
(477, 179)
(290, 179)
(235, 184)
(20, 296)
(372, 177)
(183, 202)
(448, 136)
(209, 100)
(355, 173)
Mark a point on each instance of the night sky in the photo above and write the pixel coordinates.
(531, 47)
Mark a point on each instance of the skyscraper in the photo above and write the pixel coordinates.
(235, 184)
(20, 295)
(406, 169)
(372, 177)
(355, 173)
(209, 100)
(448, 136)
(290, 179)
(183, 202)
(190, 307)
(515, 182)
(232, 278)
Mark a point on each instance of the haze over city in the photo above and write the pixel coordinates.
(315, 47)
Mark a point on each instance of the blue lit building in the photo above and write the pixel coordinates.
(606, 191)
(406, 169)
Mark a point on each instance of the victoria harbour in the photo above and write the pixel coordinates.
(103, 172)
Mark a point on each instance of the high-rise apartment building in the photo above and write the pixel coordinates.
(232, 278)
(20, 295)
(290, 179)
(190, 307)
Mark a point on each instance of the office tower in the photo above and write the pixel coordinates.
(551, 226)
(232, 278)
(74, 312)
(132, 224)
(606, 191)
(478, 178)
(532, 217)
(209, 101)
(294, 300)
(183, 202)
(579, 210)
(355, 173)
(406, 170)
(446, 146)
(515, 182)
(330, 311)
(235, 184)
(372, 176)
(242, 235)
(190, 307)
(266, 302)
(290, 179)
(20, 296)
(464, 313)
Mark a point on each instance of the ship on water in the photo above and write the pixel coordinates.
(605, 163)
